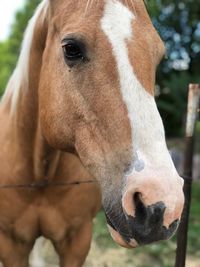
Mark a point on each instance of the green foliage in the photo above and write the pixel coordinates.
(178, 22)
(9, 49)
(7, 62)
(100, 232)
(172, 102)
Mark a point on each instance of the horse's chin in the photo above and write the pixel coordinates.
(119, 240)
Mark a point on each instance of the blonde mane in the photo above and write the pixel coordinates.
(21, 72)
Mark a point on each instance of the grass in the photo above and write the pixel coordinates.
(197, 146)
(194, 229)
(161, 254)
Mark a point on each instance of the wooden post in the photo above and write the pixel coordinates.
(193, 105)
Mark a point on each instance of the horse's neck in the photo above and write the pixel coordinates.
(24, 148)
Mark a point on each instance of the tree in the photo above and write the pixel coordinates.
(178, 22)
(9, 49)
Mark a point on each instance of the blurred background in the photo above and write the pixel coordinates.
(178, 23)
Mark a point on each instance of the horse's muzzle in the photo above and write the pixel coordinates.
(144, 228)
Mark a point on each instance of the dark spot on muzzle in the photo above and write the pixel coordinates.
(147, 225)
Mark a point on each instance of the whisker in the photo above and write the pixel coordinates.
(89, 4)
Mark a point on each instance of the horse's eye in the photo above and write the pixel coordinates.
(73, 50)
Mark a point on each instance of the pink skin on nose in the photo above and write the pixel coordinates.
(152, 191)
(118, 239)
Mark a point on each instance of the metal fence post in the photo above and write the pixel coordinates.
(193, 105)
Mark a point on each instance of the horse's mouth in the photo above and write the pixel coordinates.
(110, 222)
(130, 232)
(122, 231)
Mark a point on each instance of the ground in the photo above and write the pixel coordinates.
(114, 257)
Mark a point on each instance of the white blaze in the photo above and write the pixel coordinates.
(148, 138)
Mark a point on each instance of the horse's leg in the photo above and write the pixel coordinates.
(16, 261)
(14, 253)
(74, 249)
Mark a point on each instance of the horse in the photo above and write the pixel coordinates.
(80, 127)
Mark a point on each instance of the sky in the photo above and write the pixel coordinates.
(7, 12)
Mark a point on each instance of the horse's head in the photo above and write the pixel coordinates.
(96, 98)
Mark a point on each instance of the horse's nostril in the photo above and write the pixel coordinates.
(148, 214)
(140, 209)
